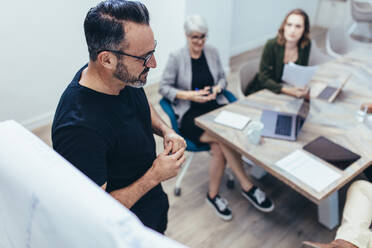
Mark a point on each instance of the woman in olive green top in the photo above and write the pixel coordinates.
(292, 44)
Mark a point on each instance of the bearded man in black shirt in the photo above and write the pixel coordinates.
(104, 124)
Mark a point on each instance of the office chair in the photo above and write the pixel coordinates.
(246, 74)
(339, 43)
(317, 57)
(191, 146)
(361, 12)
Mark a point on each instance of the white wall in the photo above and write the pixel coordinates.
(43, 43)
(167, 25)
(253, 22)
(341, 15)
(217, 14)
(42, 46)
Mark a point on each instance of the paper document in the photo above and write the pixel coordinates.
(308, 170)
(298, 75)
(231, 119)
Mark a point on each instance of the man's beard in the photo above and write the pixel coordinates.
(122, 74)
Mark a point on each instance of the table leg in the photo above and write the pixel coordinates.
(256, 171)
(185, 167)
(328, 211)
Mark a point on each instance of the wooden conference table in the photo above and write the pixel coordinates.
(336, 121)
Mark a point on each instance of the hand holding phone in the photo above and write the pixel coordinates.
(210, 90)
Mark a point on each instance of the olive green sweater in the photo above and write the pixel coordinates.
(271, 67)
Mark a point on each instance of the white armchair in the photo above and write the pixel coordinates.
(317, 57)
(338, 42)
(361, 12)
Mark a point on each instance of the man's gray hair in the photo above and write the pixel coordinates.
(195, 23)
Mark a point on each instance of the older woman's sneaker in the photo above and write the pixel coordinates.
(220, 205)
(259, 200)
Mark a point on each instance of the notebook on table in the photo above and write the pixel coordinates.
(231, 119)
(306, 168)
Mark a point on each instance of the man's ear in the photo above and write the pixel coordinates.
(107, 60)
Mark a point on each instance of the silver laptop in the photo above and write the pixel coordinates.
(330, 93)
(282, 125)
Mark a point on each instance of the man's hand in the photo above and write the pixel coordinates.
(166, 166)
(176, 141)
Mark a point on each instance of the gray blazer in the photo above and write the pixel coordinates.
(178, 75)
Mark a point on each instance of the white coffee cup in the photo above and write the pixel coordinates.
(253, 132)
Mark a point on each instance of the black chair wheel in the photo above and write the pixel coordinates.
(177, 191)
(230, 184)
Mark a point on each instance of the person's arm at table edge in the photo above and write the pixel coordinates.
(169, 135)
(158, 125)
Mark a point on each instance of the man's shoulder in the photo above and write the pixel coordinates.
(78, 108)
(74, 98)
(136, 93)
(72, 90)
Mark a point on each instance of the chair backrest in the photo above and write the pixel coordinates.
(361, 11)
(167, 107)
(317, 57)
(338, 42)
(246, 74)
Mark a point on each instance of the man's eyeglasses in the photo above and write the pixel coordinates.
(145, 59)
(198, 37)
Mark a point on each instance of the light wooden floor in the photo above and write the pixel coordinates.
(192, 221)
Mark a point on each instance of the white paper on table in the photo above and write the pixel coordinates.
(298, 75)
(46, 202)
(231, 119)
(308, 170)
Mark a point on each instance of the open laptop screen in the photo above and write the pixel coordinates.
(302, 114)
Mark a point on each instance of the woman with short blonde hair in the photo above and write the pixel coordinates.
(193, 81)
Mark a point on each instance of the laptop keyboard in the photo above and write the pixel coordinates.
(283, 125)
(327, 93)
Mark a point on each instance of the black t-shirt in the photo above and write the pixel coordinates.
(110, 139)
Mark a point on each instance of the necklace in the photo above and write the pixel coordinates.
(290, 55)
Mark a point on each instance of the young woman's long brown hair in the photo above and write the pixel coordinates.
(305, 38)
